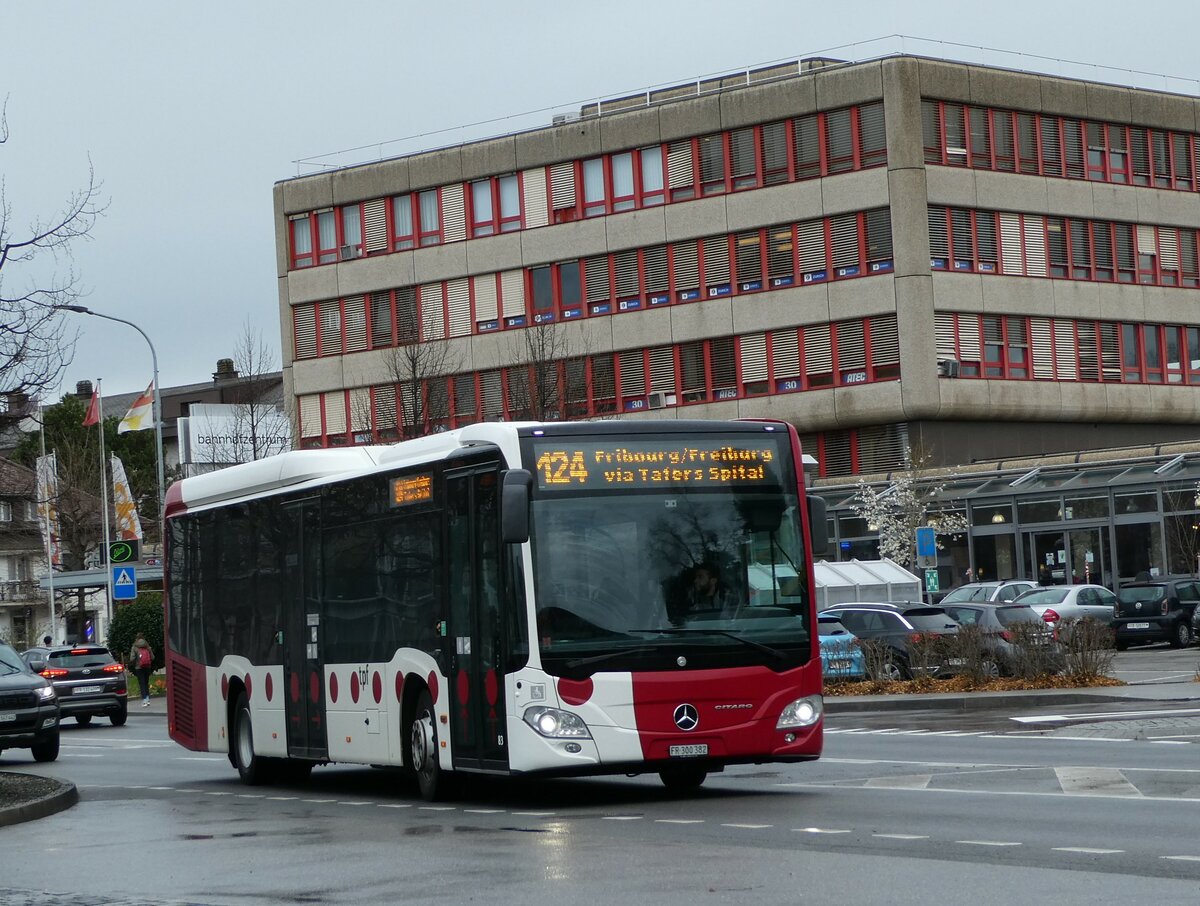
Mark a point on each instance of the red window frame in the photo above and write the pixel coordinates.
(425, 236)
(557, 307)
(397, 241)
(302, 225)
(499, 222)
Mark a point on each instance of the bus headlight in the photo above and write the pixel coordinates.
(803, 712)
(556, 724)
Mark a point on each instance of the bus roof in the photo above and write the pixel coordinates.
(298, 468)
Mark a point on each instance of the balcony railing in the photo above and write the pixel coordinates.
(19, 591)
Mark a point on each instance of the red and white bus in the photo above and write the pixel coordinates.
(501, 599)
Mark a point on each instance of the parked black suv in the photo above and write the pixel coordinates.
(897, 626)
(87, 678)
(28, 708)
(1159, 610)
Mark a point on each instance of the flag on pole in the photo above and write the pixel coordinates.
(141, 414)
(47, 505)
(93, 410)
(129, 526)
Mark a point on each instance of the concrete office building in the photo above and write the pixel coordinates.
(984, 263)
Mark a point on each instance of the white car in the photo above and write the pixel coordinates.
(1070, 602)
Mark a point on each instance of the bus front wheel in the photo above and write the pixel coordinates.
(251, 767)
(683, 777)
(423, 750)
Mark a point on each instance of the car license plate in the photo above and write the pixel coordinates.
(688, 751)
(955, 661)
(1137, 625)
(83, 690)
(7, 718)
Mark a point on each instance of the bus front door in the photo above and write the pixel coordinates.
(476, 669)
(303, 663)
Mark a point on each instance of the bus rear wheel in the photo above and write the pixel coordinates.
(683, 777)
(252, 768)
(423, 750)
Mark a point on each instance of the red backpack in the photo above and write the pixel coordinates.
(144, 657)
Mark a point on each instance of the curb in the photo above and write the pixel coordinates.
(60, 800)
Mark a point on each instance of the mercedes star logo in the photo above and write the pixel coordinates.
(687, 717)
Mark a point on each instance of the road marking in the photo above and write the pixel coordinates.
(988, 842)
(483, 811)
(819, 830)
(321, 801)
(1169, 741)
(283, 798)
(678, 820)
(841, 785)
(381, 805)
(906, 782)
(748, 826)
(162, 788)
(78, 755)
(622, 817)
(251, 795)
(902, 836)
(1089, 718)
(435, 808)
(1182, 858)
(1087, 850)
(200, 758)
(1084, 781)
(217, 793)
(364, 802)
(533, 814)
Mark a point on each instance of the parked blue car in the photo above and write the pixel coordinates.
(841, 659)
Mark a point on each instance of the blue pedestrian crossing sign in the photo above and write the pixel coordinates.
(124, 583)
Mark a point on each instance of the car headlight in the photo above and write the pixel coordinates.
(554, 723)
(803, 712)
(46, 692)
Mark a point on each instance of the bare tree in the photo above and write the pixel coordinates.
(251, 423)
(418, 371)
(35, 346)
(554, 384)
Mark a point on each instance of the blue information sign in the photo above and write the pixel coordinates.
(124, 583)
(926, 542)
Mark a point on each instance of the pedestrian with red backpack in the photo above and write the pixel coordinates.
(141, 660)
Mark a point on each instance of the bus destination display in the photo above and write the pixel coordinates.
(412, 489)
(569, 464)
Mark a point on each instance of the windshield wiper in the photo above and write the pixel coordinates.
(749, 643)
(607, 656)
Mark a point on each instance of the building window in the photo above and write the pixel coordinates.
(495, 205)
(6, 512)
(556, 291)
(403, 236)
(302, 242)
(430, 214)
(594, 193)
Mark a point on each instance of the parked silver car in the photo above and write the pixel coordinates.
(1056, 603)
(988, 592)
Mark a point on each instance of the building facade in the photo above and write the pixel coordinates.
(907, 252)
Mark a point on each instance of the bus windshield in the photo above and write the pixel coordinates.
(641, 581)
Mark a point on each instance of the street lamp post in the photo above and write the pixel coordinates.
(84, 310)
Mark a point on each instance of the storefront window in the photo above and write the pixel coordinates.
(1139, 551)
(1142, 502)
(995, 557)
(1086, 507)
(991, 515)
(1048, 510)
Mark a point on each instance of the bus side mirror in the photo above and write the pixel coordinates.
(514, 506)
(818, 526)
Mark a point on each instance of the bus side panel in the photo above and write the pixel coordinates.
(735, 712)
(187, 702)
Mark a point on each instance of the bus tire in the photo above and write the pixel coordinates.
(251, 767)
(423, 750)
(681, 778)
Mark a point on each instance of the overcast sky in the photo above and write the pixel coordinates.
(190, 112)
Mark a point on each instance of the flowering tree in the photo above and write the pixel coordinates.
(910, 501)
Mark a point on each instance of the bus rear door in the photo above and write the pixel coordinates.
(476, 673)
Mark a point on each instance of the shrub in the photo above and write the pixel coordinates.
(143, 616)
(879, 658)
(1035, 653)
(1089, 647)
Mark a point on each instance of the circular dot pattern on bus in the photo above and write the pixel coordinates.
(314, 686)
(333, 687)
(269, 686)
(377, 687)
(247, 684)
(399, 687)
(224, 687)
(575, 692)
(432, 682)
(354, 688)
